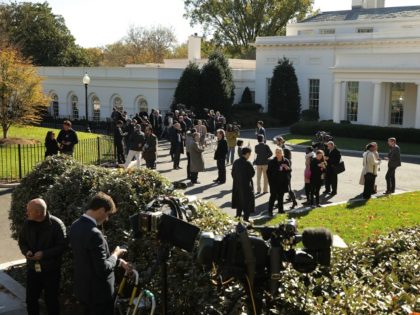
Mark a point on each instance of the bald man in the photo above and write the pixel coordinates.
(42, 241)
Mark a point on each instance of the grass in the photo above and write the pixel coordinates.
(355, 144)
(355, 222)
(86, 151)
(39, 133)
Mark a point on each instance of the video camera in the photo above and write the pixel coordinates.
(321, 138)
(228, 251)
(166, 219)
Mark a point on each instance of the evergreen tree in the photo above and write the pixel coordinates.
(246, 96)
(188, 88)
(284, 95)
(223, 98)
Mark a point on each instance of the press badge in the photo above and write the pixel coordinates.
(37, 267)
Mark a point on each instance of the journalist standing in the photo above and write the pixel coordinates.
(371, 164)
(67, 138)
(177, 144)
(42, 241)
(394, 161)
(263, 153)
(243, 188)
(150, 148)
(220, 156)
(94, 265)
(196, 156)
(333, 157)
(135, 146)
(278, 173)
(119, 135)
(232, 134)
(318, 169)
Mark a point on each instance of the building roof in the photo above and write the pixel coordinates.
(360, 14)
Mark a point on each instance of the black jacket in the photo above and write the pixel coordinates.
(278, 177)
(67, 136)
(263, 153)
(334, 158)
(93, 264)
(119, 135)
(51, 147)
(316, 171)
(222, 150)
(48, 236)
(243, 187)
(394, 157)
(136, 141)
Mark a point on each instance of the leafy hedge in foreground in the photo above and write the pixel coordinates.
(357, 131)
(380, 276)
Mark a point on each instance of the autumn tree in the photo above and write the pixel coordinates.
(237, 23)
(21, 95)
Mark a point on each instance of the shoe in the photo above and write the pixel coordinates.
(216, 181)
(326, 192)
(281, 211)
(197, 182)
(258, 192)
(293, 205)
(179, 168)
(333, 193)
(387, 192)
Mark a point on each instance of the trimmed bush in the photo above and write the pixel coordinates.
(246, 96)
(309, 115)
(357, 131)
(247, 107)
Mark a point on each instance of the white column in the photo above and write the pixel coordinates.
(417, 117)
(376, 103)
(337, 102)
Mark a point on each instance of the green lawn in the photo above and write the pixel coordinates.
(358, 221)
(39, 133)
(355, 144)
(91, 149)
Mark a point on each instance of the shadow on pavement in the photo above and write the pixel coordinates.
(6, 191)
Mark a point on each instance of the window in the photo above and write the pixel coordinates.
(352, 100)
(54, 105)
(397, 103)
(142, 105)
(314, 94)
(306, 32)
(74, 107)
(327, 31)
(365, 30)
(268, 90)
(118, 104)
(96, 106)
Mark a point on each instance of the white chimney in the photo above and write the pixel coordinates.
(194, 48)
(368, 4)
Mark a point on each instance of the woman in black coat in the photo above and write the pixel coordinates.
(318, 169)
(51, 144)
(220, 157)
(278, 173)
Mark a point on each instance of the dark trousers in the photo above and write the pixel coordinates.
(308, 192)
(176, 157)
(273, 197)
(188, 165)
(151, 164)
(246, 213)
(193, 177)
(369, 186)
(292, 195)
(47, 281)
(104, 308)
(390, 179)
(221, 167)
(120, 153)
(331, 180)
(315, 188)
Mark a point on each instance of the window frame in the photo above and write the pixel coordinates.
(352, 104)
(314, 90)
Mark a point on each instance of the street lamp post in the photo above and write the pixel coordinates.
(86, 82)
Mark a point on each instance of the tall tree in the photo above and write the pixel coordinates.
(284, 96)
(21, 95)
(188, 89)
(40, 35)
(237, 23)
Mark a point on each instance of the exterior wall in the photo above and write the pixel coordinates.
(155, 85)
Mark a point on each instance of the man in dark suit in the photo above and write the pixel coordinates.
(177, 144)
(93, 263)
(333, 158)
(394, 161)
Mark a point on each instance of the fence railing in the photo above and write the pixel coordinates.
(17, 160)
(104, 126)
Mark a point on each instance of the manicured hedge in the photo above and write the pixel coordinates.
(357, 131)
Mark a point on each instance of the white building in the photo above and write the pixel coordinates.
(361, 65)
(133, 88)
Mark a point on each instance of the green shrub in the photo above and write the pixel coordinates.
(309, 115)
(246, 96)
(247, 107)
(357, 131)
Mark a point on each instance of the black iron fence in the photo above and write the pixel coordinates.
(105, 127)
(17, 160)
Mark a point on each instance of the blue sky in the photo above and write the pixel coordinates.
(99, 22)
